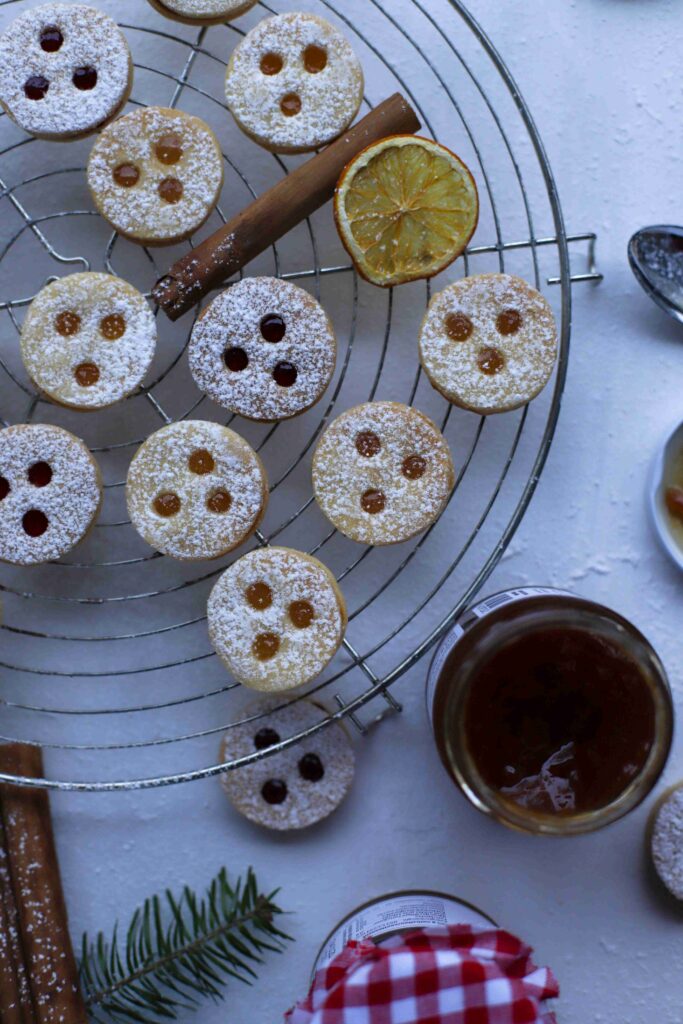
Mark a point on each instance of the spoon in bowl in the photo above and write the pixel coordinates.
(656, 258)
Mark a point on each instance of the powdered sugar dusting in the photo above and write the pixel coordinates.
(208, 8)
(234, 320)
(667, 842)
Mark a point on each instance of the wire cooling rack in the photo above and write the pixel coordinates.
(104, 656)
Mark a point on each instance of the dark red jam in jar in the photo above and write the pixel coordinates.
(551, 712)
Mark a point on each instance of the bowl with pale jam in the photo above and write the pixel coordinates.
(666, 495)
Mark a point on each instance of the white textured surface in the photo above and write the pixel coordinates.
(602, 78)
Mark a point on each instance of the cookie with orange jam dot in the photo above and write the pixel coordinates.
(264, 349)
(156, 175)
(88, 340)
(294, 83)
(196, 490)
(276, 618)
(202, 12)
(294, 788)
(382, 473)
(65, 70)
(489, 343)
(50, 493)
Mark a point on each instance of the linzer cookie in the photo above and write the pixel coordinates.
(382, 473)
(294, 83)
(50, 493)
(264, 349)
(65, 70)
(276, 618)
(156, 175)
(196, 490)
(88, 340)
(666, 840)
(202, 12)
(298, 787)
(489, 343)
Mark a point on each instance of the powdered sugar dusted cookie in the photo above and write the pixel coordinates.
(489, 343)
(156, 175)
(666, 840)
(264, 349)
(382, 472)
(50, 493)
(204, 12)
(88, 340)
(65, 70)
(298, 787)
(294, 83)
(196, 490)
(276, 618)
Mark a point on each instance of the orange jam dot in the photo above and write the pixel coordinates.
(259, 595)
(87, 374)
(171, 190)
(126, 175)
(67, 323)
(35, 522)
(201, 462)
(40, 474)
(315, 59)
(367, 443)
(373, 501)
(266, 646)
(459, 327)
(271, 63)
(4, 488)
(169, 149)
(219, 502)
(167, 505)
(414, 467)
(290, 105)
(301, 613)
(509, 321)
(113, 327)
(491, 361)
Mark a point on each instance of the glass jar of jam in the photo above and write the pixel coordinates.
(551, 713)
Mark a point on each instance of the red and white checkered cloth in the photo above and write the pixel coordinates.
(455, 975)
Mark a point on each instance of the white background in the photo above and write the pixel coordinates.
(602, 79)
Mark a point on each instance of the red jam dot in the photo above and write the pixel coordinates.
(259, 595)
(285, 374)
(315, 59)
(85, 78)
(35, 87)
(113, 327)
(167, 505)
(126, 175)
(368, 444)
(271, 64)
(509, 321)
(273, 328)
(373, 501)
(414, 467)
(274, 791)
(35, 523)
(491, 361)
(87, 374)
(4, 488)
(301, 613)
(51, 39)
(201, 462)
(290, 105)
(40, 474)
(67, 323)
(311, 768)
(169, 149)
(266, 646)
(459, 327)
(236, 359)
(219, 502)
(266, 738)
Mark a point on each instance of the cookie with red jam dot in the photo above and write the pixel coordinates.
(202, 12)
(295, 788)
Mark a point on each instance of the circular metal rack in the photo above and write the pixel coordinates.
(104, 657)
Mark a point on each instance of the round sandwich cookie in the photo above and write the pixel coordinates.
(298, 787)
(666, 840)
(264, 349)
(489, 343)
(382, 473)
(88, 340)
(156, 175)
(276, 618)
(294, 83)
(202, 12)
(50, 493)
(196, 490)
(65, 70)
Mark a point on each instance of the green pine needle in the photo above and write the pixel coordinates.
(178, 951)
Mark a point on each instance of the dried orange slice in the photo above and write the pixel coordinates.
(405, 207)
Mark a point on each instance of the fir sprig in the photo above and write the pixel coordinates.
(178, 951)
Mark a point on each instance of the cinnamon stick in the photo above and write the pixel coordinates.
(36, 883)
(15, 992)
(277, 211)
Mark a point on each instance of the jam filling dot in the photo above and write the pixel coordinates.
(167, 505)
(113, 327)
(301, 613)
(171, 190)
(368, 443)
(414, 467)
(35, 87)
(86, 374)
(459, 327)
(67, 323)
(373, 501)
(259, 595)
(315, 59)
(311, 768)
(35, 523)
(4, 488)
(274, 791)
(271, 64)
(51, 39)
(285, 374)
(273, 328)
(266, 646)
(85, 78)
(266, 738)
(290, 105)
(491, 361)
(509, 321)
(40, 474)
(236, 359)
(126, 175)
(219, 502)
(169, 149)
(201, 462)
